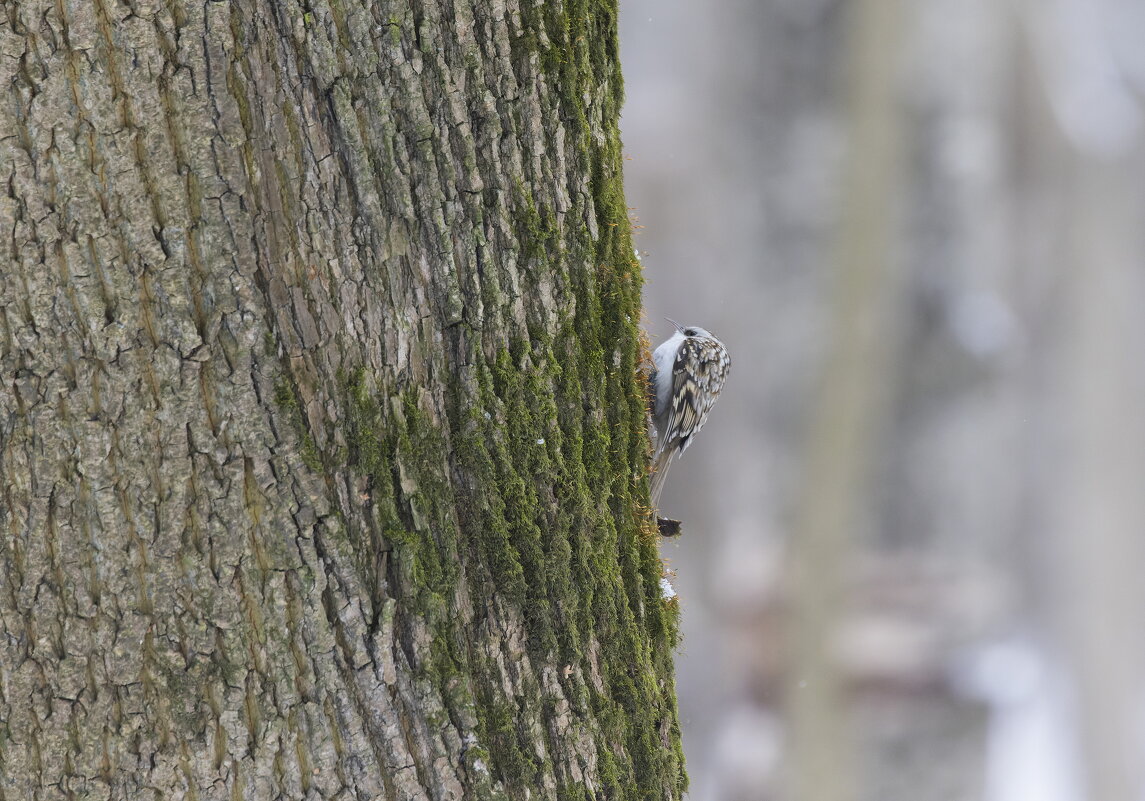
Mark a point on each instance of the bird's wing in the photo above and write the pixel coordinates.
(697, 376)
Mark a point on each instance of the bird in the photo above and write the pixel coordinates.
(688, 372)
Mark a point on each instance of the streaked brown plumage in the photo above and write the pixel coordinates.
(690, 369)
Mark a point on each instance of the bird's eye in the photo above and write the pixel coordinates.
(689, 332)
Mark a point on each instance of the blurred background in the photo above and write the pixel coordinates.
(914, 523)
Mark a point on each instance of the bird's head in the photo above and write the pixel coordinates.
(689, 330)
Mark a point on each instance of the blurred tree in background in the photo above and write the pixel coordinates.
(913, 539)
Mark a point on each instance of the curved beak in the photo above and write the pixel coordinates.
(673, 322)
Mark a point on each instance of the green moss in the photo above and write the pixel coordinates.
(402, 452)
(286, 399)
(536, 229)
(573, 792)
(602, 464)
(510, 753)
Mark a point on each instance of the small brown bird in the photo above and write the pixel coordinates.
(689, 372)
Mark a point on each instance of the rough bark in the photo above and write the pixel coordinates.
(321, 433)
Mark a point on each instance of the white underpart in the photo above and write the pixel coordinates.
(664, 357)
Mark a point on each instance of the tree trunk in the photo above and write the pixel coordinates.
(850, 407)
(321, 433)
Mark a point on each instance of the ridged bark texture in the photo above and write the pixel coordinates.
(321, 432)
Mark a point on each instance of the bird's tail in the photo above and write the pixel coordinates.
(660, 464)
